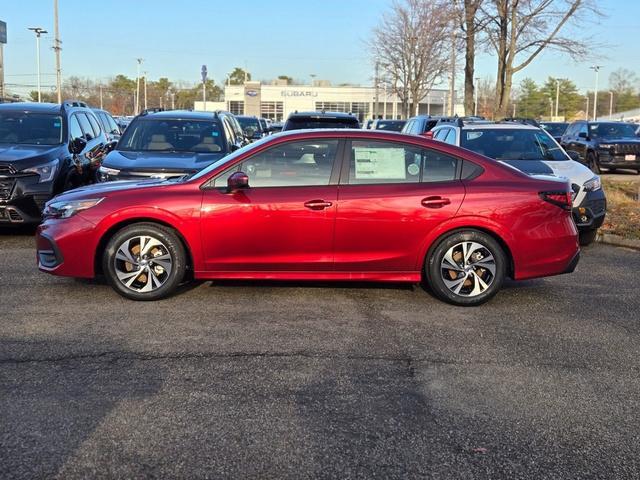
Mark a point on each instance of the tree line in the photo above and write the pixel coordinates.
(417, 44)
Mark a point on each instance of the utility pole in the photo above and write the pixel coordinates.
(586, 111)
(452, 86)
(610, 105)
(145, 90)
(57, 48)
(38, 31)
(137, 110)
(101, 105)
(375, 95)
(550, 108)
(595, 68)
(557, 94)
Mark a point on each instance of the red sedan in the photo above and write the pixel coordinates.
(319, 205)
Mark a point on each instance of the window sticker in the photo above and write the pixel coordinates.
(215, 134)
(413, 169)
(473, 135)
(56, 123)
(379, 163)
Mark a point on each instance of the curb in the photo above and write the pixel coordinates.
(617, 240)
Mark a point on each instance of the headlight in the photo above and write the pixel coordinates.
(46, 171)
(69, 208)
(593, 184)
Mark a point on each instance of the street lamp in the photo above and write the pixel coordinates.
(139, 60)
(38, 31)
(557, 95)
(610, 105)
(595, 68)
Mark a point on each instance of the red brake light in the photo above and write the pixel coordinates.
(560, 199)
(428, 135)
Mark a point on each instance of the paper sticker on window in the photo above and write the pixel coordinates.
(57, 123)
(379, 163)
(215, 134)
(473, 135)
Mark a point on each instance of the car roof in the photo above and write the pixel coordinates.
(181, 114)
(323, 115)
(496, 126)
(32, 107)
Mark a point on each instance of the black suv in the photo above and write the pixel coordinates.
(254, 128)
(35, 154)
(611, 145)
(109, 125)
(313, 120)
(171, 144)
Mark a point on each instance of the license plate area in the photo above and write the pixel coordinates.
(630, 158)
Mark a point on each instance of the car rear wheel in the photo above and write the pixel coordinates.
(144, 261)
(467, 268)
(592, 163)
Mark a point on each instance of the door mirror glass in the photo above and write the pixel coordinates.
(77, 145)
(237, 181)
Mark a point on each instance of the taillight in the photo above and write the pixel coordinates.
(560, 199)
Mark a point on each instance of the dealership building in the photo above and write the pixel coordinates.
(277, 100)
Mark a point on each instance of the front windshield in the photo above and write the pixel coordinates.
(24, 128)
(173, 135)
(555, 129)
(611, 130)
(513, 144)
(248, 122)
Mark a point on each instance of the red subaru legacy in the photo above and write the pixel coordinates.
(319, 205)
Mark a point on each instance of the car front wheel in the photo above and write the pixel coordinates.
(466, 268)
(587, 237)
(144, 261)
(593, 164)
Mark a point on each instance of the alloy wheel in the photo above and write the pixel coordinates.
(143, 263)
(468, 269)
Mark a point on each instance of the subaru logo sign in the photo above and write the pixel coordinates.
(252, 93)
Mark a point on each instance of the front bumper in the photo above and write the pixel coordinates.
(590, 214)
(66, 247)
(608, 160)
(22, 198)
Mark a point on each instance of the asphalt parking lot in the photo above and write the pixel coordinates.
(264, 380)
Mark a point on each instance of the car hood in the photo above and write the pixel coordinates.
(186, 162)
(101, 189)
(570, 170)
(25, 156)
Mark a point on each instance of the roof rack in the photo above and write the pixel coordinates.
(74, 103)
(523, 120)
(455, 119)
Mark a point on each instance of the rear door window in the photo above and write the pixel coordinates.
(87, 130)
(94, 125)
(74, 128)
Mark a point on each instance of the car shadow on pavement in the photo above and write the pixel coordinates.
(311, 284)
(54, 397)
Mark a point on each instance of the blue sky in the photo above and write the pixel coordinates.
(271, 37)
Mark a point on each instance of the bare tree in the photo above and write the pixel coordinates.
(411, 45)
(471, 23)
(519, 30)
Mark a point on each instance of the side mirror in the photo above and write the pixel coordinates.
(77, 145)
(583, 135)
(237, 181)
(573, 155)
(110, 146)
(428, 135)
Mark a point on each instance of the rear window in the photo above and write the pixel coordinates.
(390, 125)
(303, 123)
(512, 144)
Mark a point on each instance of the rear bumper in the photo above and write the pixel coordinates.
(573, 263)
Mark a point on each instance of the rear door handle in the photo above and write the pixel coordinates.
(317, 204)
(435, 202)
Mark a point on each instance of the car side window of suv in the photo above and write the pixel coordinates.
(295, 164)
(74, 128)
(94, 125)
(583, 130)
(451, 137)
(88, 134)
(441, 134)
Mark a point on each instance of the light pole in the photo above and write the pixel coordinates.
(557, 95)
(139, 60)
(475, 90)
(38, 31)
(57, 48)
(610, 105)
(145, 90)
(586, 111)
(595, 68)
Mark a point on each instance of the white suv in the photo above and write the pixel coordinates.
(532, 150)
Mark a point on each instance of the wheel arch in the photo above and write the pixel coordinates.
(113, 229)
(483, 229)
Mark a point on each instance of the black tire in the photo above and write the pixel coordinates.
(638, 171)
(586, 237)
(170, 270)
(435, 272)
(592, 163)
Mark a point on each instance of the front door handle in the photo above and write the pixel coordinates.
(317, 204)
(435, 202)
